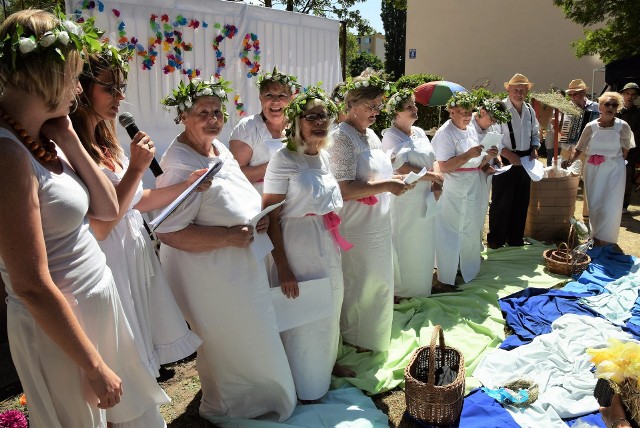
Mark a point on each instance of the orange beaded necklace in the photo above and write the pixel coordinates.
(44, 149)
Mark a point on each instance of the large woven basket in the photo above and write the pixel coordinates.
(427, 402)
(566, 262)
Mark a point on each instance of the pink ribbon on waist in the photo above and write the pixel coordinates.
(331, 223)
(369, 200)
(596, 159)
(260, 181)
(466, 169)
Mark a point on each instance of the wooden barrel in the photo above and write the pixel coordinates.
(551, 205)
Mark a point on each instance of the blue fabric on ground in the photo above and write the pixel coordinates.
(606, 265)
(531, 312)
(594, 419)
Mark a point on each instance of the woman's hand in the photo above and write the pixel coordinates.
(288, 282)
(142, 151)
(397, 186)
(240, 236)
(474, 152)
(263, 224)
(492, 152)
(194, 177)
(435, 177)
(106, 385)
(59, 129)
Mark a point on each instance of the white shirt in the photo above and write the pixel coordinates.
(526, 129)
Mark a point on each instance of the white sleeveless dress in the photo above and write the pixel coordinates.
(57, 389)
(159, 329)
(311, 191)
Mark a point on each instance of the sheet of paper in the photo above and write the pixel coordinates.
(534, 168)
(315, 302)
(502, 169)
(491, 139)
(412, 177)
(273, 145)
(261, 246)
(213, 170)
(254, 221)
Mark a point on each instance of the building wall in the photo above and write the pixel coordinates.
(473, 42)
(373, 44)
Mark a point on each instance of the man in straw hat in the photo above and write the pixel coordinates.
(630, 113)
(577, 93)
(510, 190)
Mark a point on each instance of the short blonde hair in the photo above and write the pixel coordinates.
(39, 75)
(296, 140)
(602, 98)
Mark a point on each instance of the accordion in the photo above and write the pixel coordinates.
(572, 126)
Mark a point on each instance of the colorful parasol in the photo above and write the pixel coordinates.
(436, 93)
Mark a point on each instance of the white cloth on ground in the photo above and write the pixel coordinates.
(224, 294)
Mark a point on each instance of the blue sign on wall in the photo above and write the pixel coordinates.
(412, 54)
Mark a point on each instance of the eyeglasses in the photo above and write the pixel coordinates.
(519, 90)
(608, 104)
(113, 88)
(315, 117)
(379, 107)
(273, 97)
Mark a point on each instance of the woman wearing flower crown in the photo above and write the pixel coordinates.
(219, 282)
(252, 140)
(366, 179)
(305, 236)
(458, 153)
(161, 334)
(70, 342)
(412, 214)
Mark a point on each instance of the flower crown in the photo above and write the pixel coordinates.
(397, 100)
(464, 100)
(297, 107)
(64, 37)
(118, 58)
(276, 77)
(498, 114)
(185, 95)
(373, 80)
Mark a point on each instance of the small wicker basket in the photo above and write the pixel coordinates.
(426, 401)
(566, 262)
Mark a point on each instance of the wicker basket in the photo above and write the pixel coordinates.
(427, 402)
(566, 262)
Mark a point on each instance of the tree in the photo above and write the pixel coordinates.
(9, 7)
(363, 60)
(617, 38)
(352, 47)
(394, 21)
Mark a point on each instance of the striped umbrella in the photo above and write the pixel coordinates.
(436, 93)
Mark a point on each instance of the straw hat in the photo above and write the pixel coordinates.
(518, 79)
(576, 85)
(631, 87)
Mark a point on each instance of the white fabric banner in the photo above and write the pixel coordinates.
(174, 39)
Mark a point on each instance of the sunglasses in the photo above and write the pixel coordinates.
(614, 105)
(316, 117)
(113, 88)
(379, 107)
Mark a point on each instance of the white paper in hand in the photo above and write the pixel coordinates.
(491, 139)
(534, 168)
(412, 177)
(502, 169)
(315, 302)
(254, 221)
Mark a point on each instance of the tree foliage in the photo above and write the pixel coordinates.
(363, 60)
(618, 37)
(394, 21)
(9, 7)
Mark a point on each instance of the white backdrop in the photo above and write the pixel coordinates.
(162, 31)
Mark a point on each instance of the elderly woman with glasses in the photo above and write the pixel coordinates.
(459, 157)
(412, 214)
(305, 236)
(366, 180)
(606, 142)
(159, 329)
(256, 138)
(219, 282)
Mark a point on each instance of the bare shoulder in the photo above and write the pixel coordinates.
(15, 164)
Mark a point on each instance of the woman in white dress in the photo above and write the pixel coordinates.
(305, 236)
(256, 138)
(160, 331)
(412, 214)
(218, 281)
(69, 340)
(366, 180)
(458, 153)
(606, 141)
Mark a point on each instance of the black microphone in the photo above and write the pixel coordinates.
(126, 120)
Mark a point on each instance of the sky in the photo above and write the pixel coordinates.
(370, 10)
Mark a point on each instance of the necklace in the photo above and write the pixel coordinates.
(44, 149)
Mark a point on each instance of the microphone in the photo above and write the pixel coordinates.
(127, 121)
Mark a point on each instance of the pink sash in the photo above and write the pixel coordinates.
(369, 200)
(596, 159)
(331, 223)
